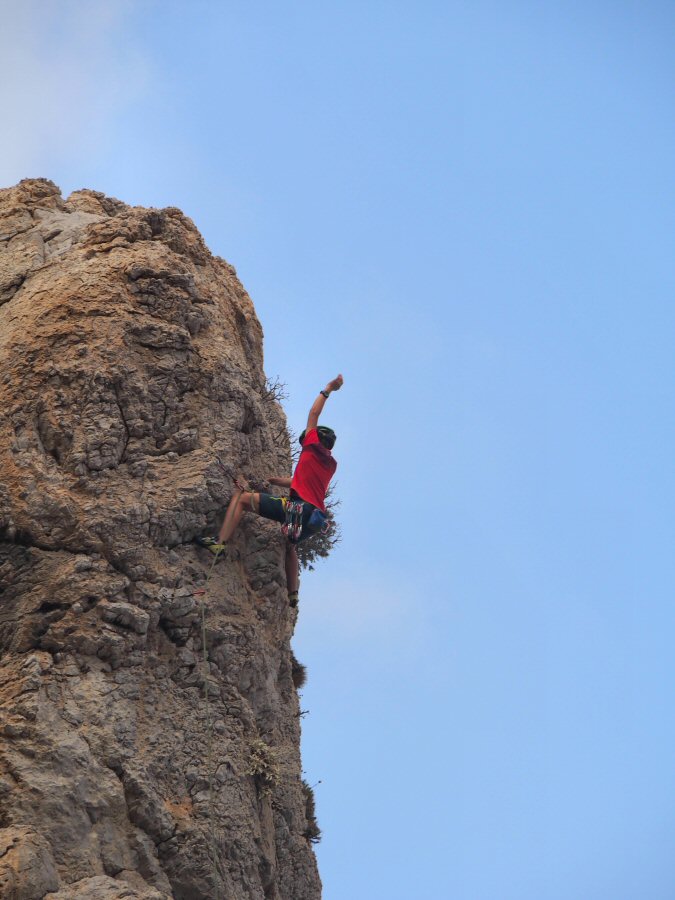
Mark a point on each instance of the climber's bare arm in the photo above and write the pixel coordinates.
(317, 406)
(280, 482)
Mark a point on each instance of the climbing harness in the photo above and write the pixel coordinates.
(201, 594)
(292, 527)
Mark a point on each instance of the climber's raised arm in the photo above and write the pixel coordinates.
(317, 406)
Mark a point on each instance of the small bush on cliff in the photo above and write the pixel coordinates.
(320, 545)
(264, 765)
(274, 390)
(298, 672)
(312, 832)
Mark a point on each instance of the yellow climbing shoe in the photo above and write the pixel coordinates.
(211, 544)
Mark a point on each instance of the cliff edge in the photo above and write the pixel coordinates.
(131, 394)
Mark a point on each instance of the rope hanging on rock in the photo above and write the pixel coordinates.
(201, 594)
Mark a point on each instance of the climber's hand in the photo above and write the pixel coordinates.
(335, 384)
(280, 482)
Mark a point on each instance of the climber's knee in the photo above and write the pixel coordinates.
(251, 501)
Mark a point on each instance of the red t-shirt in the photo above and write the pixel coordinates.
(314, 471)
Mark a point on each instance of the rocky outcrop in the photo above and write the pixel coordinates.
(131, 393)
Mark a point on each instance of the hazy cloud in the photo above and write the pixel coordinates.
(373, 607)
(69, 70)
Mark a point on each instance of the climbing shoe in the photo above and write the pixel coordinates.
(293, 599)
(211, 544)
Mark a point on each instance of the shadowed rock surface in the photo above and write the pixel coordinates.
(131, 393)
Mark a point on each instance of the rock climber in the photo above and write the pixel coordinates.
(304, 512)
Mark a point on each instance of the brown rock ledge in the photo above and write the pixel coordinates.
(131, 392)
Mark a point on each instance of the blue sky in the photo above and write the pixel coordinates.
(468, 210)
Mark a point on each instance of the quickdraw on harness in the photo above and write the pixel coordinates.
(292, 527)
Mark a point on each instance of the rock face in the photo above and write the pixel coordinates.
(131, 393)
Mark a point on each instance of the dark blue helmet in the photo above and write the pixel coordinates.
(326, 435)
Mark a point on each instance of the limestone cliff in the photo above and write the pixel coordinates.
(131, 393)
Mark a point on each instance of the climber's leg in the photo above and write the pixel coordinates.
(242, 499)
(292, 573)
(240, 502)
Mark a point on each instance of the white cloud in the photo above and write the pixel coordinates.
(69, 69)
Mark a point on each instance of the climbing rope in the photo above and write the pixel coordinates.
(209, 729)
(202, 594)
